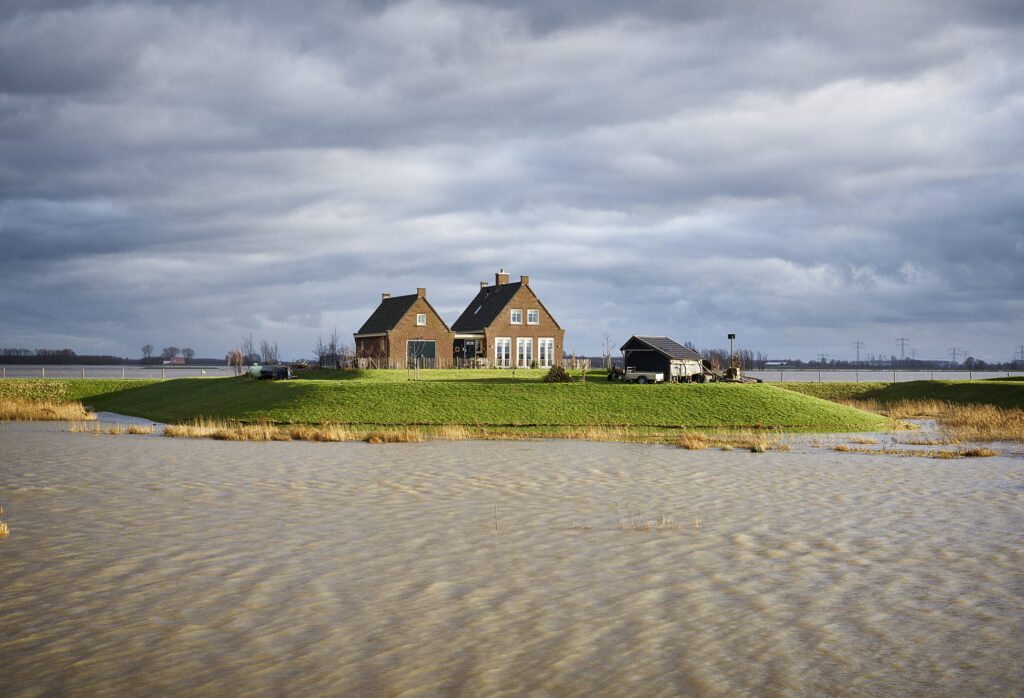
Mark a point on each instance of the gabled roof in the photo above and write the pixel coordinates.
(388, 314)
(485, 307)
(662, 345)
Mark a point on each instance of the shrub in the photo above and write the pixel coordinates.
(557, 374)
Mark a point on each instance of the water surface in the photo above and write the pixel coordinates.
(144, 565)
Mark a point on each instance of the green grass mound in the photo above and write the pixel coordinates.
(487, 400)
(1007, 394)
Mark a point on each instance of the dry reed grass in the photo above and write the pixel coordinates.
(958, 423)
(863, 440)
(662, 523)
(750, 439)
(13, 410)
(946, 454)
(96, 429)
(982, 423)
(4, 531)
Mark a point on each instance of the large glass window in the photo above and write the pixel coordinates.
(502, 352)
(546, 351)
(524, 352)
(422, 353)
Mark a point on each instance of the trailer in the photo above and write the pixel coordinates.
(631, 375)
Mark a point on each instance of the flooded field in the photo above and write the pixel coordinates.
(139, 565)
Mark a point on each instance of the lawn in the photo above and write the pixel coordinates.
(496, 397)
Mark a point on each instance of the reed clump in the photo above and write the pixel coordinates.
(976, 452)
(958, 423)
(756, 441)
(982, 423)
(19, 410)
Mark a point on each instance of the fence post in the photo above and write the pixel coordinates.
(894, 376)
(83, 371)
(780, 377)
(856, 376)
(819, 376)
(44, 370)
(163, 373)
(122, 373)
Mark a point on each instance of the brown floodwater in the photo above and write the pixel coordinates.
(141, 565)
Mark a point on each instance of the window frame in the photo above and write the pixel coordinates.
(524, 358)
(502, 360)
(546, 358)
(535, 312)
(512, 316)
(421, 319)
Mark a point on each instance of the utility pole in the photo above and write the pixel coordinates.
(1019, 357)
(859, 345)
(731, 337)
(902, 341)
(952, 353)
(821, 358)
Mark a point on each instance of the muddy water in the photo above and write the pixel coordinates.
(139, 565)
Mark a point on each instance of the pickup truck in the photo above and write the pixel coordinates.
(631, 375)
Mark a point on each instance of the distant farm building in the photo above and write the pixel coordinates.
(662, 355)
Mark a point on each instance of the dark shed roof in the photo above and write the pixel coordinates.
(388, 314)
(487, 305)
(662, 345)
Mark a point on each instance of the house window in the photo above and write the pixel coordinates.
(421, 353)
(502, 352)
(532, 317)
(517, 316)
(421, 319)
(546, 351)
(524, 352)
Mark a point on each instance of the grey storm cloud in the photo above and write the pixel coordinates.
(802, 174)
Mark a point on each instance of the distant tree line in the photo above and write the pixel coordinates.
(67, 356)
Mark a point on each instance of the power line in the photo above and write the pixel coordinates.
(902, 342)
(859, 345)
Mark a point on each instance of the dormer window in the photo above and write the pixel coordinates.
(421, 319)
(532, 317)
(517, 316)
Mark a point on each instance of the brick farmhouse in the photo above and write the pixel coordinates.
(403, 329)
(505, 326)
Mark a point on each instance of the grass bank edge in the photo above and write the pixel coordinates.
(471, 403)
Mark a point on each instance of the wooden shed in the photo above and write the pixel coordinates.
(662, 355)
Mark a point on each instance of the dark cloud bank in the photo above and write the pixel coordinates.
(802, 175)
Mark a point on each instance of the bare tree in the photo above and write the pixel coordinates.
(237, 359)
(333, 347)
(147, 351)
(320, 350)
(170, 352)
(248, 349)
(188, 354)
(607, 349)
(268, 350)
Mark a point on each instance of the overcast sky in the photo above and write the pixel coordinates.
(802, 174)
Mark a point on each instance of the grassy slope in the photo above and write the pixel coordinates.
(455, 397)
(1002, 393)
